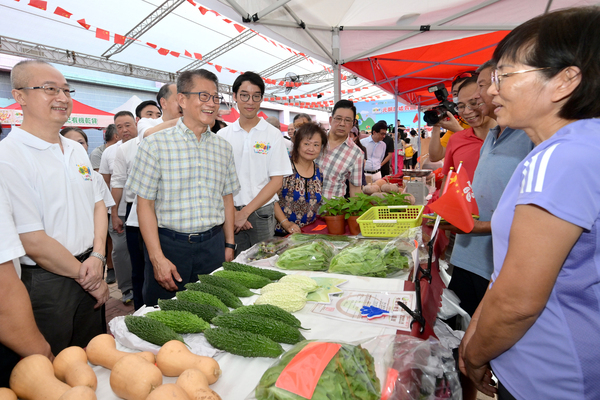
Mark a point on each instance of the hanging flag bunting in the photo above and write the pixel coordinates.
(416, 118)
(119, 39)
(82, 23)
(175, 54)
(192, 2)
(152, 45)
(218, 67)
(188, 54)
(42, 5)
(62, 12)
(102, 34)
(202, 10)
(163, 52)
(227, 20)
(239, 28)
(198, 56)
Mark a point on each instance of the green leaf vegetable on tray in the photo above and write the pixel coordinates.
(349, 375)
(313, 256)
(369, 258)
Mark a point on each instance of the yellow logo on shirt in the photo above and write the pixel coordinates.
(85, 172)
(262, 147)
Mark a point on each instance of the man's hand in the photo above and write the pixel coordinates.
(90, 274)
(450, 123)
(229, 254)
(117, 223)
(164, 272)
(241, 221)
(100, 294)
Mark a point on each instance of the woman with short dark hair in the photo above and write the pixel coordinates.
(538, 325)
(300, 194)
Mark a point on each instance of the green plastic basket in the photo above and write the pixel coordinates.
(389, 221)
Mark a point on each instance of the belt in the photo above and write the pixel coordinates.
(80, 257)
(191, 237)
(372, 172)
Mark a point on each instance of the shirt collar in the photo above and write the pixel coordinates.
(31, 140)
(261, 126)
(185, 131)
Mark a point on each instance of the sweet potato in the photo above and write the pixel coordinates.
(390, 188)
(371, 188)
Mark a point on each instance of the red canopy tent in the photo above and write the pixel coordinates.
(82, 116)
(414, 70)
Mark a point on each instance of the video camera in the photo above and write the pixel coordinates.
(436, 114)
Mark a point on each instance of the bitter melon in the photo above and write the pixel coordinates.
(233, 287)
(270, 311)
(151, 330)
(273, 329)
(251, 281)
(204, 311)
(180, 321)
(228, 298)
(242, 343)
(267, 273)
(202, 298)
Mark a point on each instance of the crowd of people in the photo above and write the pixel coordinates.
(178, 192)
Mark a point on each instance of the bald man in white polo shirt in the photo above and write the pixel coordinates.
(59, 213)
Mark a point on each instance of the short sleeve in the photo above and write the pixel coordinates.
(96, 158)
(104, 165)
(444, 139)
(280, 161)
(10, 245)
(101, 191)
(27, 216)
(448, 161)
(569, 194)
(357, 169)
(232, 183)
(145, 174)
(119, 175)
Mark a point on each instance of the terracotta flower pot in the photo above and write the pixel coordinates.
(353, 225)
(336, 224)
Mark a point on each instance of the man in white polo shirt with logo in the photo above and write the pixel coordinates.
(58, 211)
(261, 162)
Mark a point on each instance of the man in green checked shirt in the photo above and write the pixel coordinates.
(184, 178)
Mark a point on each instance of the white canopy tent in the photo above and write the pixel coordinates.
(129, 105)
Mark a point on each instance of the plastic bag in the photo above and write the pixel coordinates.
(314, 256)
(451, 307)
(421, 370)
(268, 248)
(321, 371)
(374, 258)
(339, 241)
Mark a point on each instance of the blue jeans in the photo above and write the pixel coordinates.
(263, 228)
(205, 254)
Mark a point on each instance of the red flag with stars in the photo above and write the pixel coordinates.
(239, 28)
(188, 54)
(163, 52)
(102, 34)
(119, 39)
(62, 12)
(416, 118)
(42, 5)
(457, 205)
(82, 23)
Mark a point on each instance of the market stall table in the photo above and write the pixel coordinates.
(241, 375)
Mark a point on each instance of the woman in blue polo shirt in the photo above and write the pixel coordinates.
(538, 326)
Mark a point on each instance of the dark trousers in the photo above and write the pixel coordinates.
(205, 254)
(63, 311)
(503, 393)
(135, 246)
(8, 360)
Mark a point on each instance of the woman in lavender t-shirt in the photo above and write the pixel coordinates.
(538, 326)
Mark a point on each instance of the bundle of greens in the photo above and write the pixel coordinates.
(270, 248)
(349, 375)
(369, 258)
(313, 256)
(303, 237)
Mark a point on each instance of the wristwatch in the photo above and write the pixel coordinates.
(231, 246)
(99, 256)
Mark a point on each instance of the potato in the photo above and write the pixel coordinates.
(370, 189)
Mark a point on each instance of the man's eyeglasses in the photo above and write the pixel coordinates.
(471, 105)
(496, 76)
(339, 120)
(256, 97)
(51, 90)
(204, 97)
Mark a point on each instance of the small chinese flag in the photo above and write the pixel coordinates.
(82, 23)
(62, 12)
(175, 54)
(218, 68)
(119, 39)
(188, 54)
(198, 56)
(416, 118)
(192, 2)
(457, 205)
(42, 5)
(239, 28)
(202, 10)
(227, 20)
(152, 45)
(163, 52)
(102, 34)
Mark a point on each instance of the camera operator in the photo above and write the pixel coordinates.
(437, 145)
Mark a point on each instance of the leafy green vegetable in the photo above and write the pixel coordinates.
(304, 237)
(369, 258)
(349, 375)
(313, 256)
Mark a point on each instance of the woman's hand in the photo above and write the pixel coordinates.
(290, 227)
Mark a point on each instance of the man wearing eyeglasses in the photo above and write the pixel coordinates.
(343, 159)
(184, 178)
(261, 161)
(58, 211)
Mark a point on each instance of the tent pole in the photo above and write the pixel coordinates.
(396, 124)
(337, 73)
